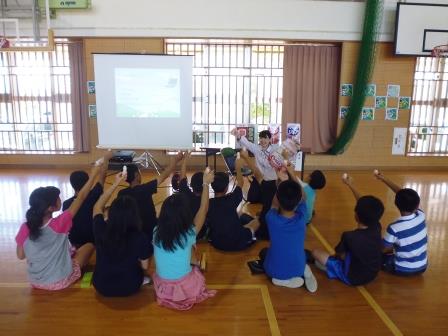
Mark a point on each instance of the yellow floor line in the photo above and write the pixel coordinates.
(370, 300)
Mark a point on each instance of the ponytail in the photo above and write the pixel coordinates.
(40, 200)
(34, 219)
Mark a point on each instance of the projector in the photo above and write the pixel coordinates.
(122, 156)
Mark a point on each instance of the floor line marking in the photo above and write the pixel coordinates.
(367, 296)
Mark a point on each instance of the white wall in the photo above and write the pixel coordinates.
(289, 19)
(285, 19)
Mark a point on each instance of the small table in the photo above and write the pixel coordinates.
(209, 151)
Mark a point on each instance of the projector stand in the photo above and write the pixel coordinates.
(147, 160)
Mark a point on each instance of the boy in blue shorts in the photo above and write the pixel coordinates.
(284, 261)
(406, 240)
(358, 255)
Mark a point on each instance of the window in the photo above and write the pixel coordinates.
(234, 82)
(35, 102)
(428, 129)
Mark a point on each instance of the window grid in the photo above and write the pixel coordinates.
(35, 101)
(428, 129)
(234, 83)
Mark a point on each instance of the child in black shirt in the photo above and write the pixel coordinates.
(229, 231)
(142, 193)
(122, 249)
(194, 194)
(358, 255)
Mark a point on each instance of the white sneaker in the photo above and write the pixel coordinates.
(295, 282)
(310, 280)
(146, 280)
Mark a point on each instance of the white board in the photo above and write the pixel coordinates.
(399, 141)
(419, 27)
(143, 101)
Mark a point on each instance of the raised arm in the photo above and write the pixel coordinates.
(293, 176)
(349, 182)
(183, 167)
(168, 170)
(239, 174)
(244, 142)
(102, 174)
(395, 188)
(252, 165)
(82, 194)
(101, 203)
(199, 219)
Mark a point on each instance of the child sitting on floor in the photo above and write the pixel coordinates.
(194, 194)
(122, 249)
(176, 283)
(358, 255)
(43, 240)
(406, 239)
(284, 261)
(228, 230)
(315, 181)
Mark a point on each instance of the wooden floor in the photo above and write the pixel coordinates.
(245, 304)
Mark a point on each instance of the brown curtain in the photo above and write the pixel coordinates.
(78, 96)
(310, 93)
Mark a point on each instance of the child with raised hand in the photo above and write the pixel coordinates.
(43, 240)
(406, 240)
(142, 192)
(122, 249)
(228, 230)
(284, 261)
(82, 228)
(177, 284)
(193, 194)
(358, 255)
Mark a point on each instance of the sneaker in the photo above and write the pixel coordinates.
(310, 280)
(290, 283)
(146, 280)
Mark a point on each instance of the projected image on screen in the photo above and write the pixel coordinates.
(147, 93)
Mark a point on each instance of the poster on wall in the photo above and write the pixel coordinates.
(391, 113)
(91, 87)
(404, 103)
(380, 102)
(393, 90)
(399, 141)
(247, 131)
(368, 113)
(347, 90)
(293, 132)
(370, 90)
(92, 111)
(343, 110)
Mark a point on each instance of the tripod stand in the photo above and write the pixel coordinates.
(147, 160)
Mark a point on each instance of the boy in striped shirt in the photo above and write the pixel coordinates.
(406, 239)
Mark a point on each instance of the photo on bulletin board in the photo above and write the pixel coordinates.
(391, 114)
(343, 110)
(368, 113)
(380, 102)
(393, 90)
(371, 90)
(404, 103)
(92, 111)
(91, 87)
(347, 90)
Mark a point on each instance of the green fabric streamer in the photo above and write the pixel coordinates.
(366, 64)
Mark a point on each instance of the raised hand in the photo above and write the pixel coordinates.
(378, 175)
(346, 179)
(209, 176)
